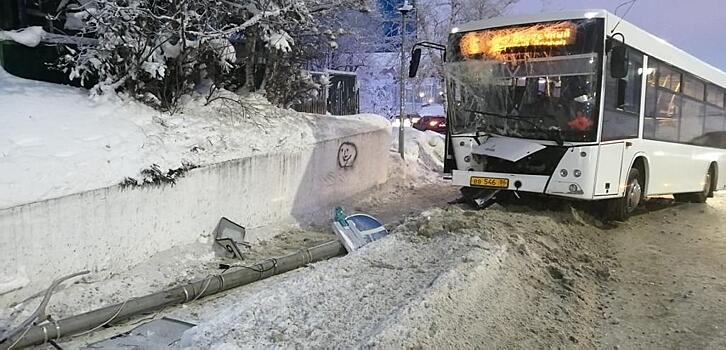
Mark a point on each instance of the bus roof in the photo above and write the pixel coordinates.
(636, 37)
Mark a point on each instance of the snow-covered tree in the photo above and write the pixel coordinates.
(436, 17)
(158, 50)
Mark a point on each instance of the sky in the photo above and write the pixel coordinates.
(695, 26)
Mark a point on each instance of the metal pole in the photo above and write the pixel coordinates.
(93, 320)
(404, 10)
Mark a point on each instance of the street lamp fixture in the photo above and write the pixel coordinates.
(404, 10)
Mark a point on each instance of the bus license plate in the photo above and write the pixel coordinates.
(488, 182)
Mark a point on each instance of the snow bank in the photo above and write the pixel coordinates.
(63, 154)
(425, 147)
(30, 36)
(338, 303)
(56, 141)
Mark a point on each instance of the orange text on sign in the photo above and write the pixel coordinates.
(494, 43)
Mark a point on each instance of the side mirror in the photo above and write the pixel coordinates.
(413, 65)
(619, 62)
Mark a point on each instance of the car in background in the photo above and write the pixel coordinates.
(432, 118)
(408, 120)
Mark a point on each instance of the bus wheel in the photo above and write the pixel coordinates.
(620, 209)
(702, 196)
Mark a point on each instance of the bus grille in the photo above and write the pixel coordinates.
(543, 162)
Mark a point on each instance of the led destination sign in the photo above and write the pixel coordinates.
(496, 43)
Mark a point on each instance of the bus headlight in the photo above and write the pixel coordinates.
(577, 173)
(563, 172)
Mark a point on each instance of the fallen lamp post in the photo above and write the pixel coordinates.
(95, 319)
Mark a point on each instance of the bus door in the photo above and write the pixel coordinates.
(609, 164)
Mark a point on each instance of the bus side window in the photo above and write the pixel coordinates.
(622, 100)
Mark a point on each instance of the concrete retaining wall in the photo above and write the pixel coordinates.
(113, 228)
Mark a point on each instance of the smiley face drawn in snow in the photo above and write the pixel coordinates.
(347, 153)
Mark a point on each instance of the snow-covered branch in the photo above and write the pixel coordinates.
(33, 36)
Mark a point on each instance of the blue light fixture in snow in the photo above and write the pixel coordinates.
(357, 230)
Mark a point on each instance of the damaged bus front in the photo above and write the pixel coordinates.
(582, 105)
(524, 106)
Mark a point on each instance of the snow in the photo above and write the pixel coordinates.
(155, 69)
(441, 279)
(188, 263)
(29, 36)
(56, 140)
(224, 346)
(426, 147)
(281, 41)
(228, 53)
(432, 110)
(171, 50)
(13, 282)
(344, 301)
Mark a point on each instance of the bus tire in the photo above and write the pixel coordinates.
(698, 197)
(620, 209)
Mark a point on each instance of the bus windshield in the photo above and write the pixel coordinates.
(536, 81)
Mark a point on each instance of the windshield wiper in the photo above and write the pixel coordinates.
(554, 134)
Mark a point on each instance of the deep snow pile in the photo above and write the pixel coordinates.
(340, 303)
(56, 140)
(448, 278)
(425, 146)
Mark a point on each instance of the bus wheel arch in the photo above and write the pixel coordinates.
(711, 182)
(641, 163)
(620, 209)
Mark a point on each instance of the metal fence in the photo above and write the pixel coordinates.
(339, 97)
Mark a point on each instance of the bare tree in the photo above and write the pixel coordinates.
(375, 56)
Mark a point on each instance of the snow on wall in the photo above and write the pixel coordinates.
(112, 228)
(55, 140)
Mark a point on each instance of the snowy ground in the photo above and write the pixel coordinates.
(71, 142)
(390, 202)
(431, 284)
(348, 302)
(547, 275)
(445, 278)
(507, 277)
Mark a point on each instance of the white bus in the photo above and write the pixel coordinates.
(583, 105)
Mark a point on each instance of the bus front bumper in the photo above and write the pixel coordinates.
(519, 182)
